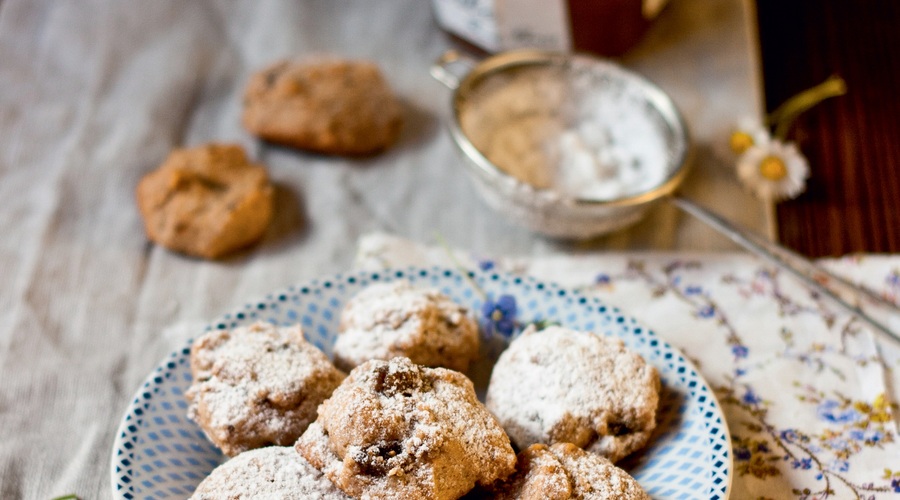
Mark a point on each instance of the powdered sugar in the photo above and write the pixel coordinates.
(564, 471)
(562, 385)
(273, 473)
(257, 385)
(572, 128)
(396, 319)
(397, 430)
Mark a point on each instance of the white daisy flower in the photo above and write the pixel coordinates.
(773, 171)
(749, 132)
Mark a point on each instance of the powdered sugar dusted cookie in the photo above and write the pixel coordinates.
(561, 385)
(273, 473)
(564, 471)
(330, 106)
(394, 429)
(257, 386)
(387, 320)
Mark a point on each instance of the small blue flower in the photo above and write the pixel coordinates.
(789, 435)
(840, 465)
(499, 316)
(857, 435)
(867, 437)
(838, 444)
(762, 447)
(895, 484)
(874, 437)
(707, 312)
(751, 398)
(739, 351)
(602, 279)
(894, 279)
(693, 290)
(831, 411)
(742, 454)
(486, 265)
(740, 372)
(805, 464)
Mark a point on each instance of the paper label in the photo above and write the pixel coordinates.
(473, 20)
(538, 24)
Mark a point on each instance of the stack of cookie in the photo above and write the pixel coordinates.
(210, 201)
(402, 424)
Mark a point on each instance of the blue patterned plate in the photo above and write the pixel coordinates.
(159, 453)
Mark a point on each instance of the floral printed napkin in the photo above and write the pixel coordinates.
(810, 395)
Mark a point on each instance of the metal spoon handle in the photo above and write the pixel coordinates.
(774, 254)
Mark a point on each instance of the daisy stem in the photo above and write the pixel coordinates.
(783, 117)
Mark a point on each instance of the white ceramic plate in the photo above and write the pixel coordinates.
(158, 453)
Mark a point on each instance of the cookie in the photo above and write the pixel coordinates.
(564, 471)
(273, 473)
(257, 386)
(206, 201)
(387, 320)
(394, 429)
(562, 385)
(328, 106)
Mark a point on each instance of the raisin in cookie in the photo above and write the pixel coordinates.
(273, 473)
(394, 429)
(564, 471)
(562, 385)
(257, 386)
(328, 106)
(387, 320)
(207, 201)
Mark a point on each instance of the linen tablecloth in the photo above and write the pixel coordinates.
(809, 395)
(95, 93)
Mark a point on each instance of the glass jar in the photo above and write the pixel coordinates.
(603, 27)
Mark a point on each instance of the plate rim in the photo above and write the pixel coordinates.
(391, 274)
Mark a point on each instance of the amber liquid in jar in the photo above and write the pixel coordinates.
(607, 27)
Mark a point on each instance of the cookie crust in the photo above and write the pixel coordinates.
(274, 473)
(207, 201)
(332, 106)
(257, 386)
(388, 320)
(560, 385)
(394, 429)
(564, 471)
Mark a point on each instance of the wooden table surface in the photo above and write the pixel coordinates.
(852, 202)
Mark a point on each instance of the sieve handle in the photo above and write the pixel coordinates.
(451, 68)
(800, 267)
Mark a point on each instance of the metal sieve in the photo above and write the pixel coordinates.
(545, 210)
